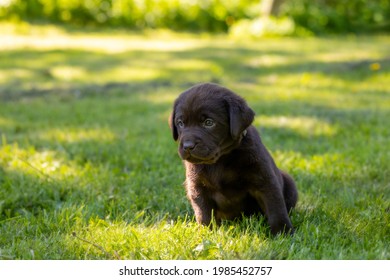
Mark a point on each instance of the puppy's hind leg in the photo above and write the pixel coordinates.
(290, 192)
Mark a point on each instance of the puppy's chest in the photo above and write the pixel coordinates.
(222, 179)
(226, 187)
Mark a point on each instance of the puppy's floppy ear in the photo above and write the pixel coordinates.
(240, 115)
(171, 122)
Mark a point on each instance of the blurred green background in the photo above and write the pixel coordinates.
(299, 16)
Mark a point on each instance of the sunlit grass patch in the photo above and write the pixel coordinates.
(181, 239)
(131, 73)
(305, 126)
(71, 135)
(44, 164)
(138, 241)
(330, 165)
(6, 76)
(109, 41)
(68, 73)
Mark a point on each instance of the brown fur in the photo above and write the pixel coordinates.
(229, 172)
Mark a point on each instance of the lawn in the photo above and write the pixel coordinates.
(89, 169)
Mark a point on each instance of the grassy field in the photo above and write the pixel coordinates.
(89, 170)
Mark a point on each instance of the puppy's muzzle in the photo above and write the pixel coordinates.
(195, 152)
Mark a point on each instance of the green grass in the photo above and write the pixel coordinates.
(89, 170)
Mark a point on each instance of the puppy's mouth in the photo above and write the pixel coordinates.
(196, 159)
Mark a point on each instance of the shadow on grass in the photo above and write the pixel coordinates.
(39, 71)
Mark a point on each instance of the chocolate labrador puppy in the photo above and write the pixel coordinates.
(229, 172)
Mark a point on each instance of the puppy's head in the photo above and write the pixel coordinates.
(208, 121)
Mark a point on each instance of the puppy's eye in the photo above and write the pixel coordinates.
(208, 123)
(180, 123)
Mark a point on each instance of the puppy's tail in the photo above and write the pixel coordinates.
(289, 191)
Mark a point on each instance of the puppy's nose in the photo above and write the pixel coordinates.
(188, 145)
